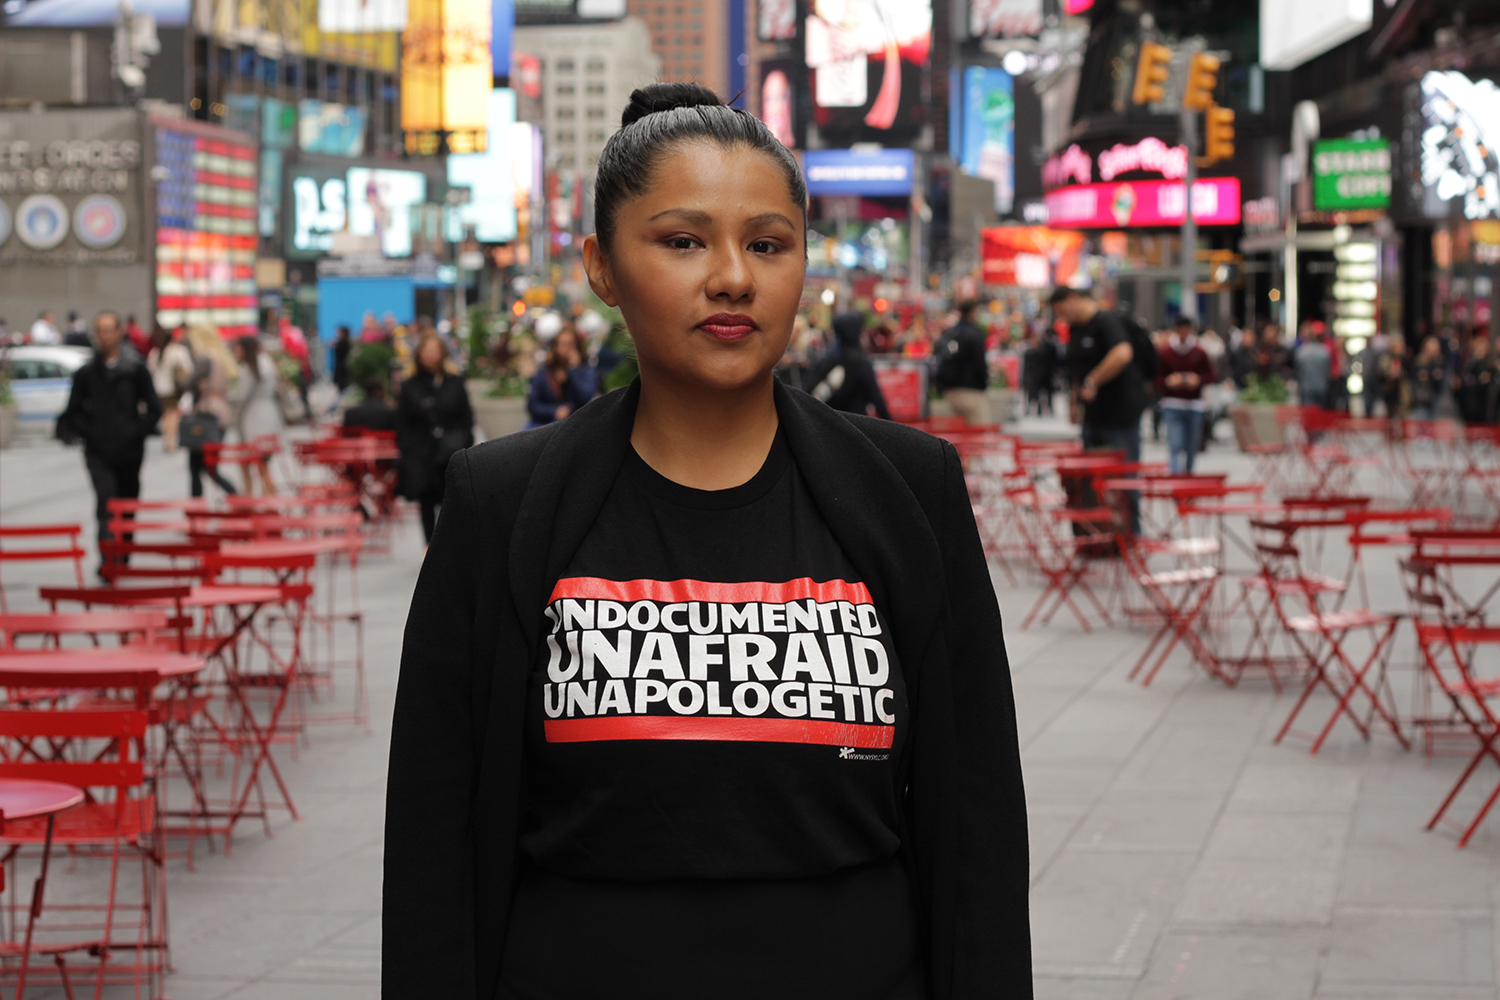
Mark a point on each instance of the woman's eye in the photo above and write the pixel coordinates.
(681, 242)
(765, 246)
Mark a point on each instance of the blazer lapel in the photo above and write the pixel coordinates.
(566, 491)
(874, 515)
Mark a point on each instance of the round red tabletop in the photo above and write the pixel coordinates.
(22, 798)
(61, 664)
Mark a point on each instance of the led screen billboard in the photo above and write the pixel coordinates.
(1216, 202)
(989, 131)
(869, 59)
(380, 203)
(1461, 124)
(491, 209)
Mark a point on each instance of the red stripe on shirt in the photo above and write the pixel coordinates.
(678, 591)
(713, 727)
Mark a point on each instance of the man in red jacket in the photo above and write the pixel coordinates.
(1183, 370)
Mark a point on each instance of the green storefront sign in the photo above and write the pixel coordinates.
(1351, 173)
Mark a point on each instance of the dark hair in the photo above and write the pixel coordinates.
(662, 117)
(250, 347)
(100, 315)
(1062, 293)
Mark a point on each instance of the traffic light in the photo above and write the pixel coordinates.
(1202, 79)
(1151, 74)
(1218, 135)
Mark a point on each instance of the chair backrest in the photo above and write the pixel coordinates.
(144, 622)
(123, 559)
(118, 765)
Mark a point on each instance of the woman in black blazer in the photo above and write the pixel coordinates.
(704, 691)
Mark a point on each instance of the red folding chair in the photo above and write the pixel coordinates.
(1178, 595)
(41, 543)
(1452, 654)
(116, 823)
(1322, 636)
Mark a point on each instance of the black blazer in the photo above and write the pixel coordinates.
(517, 509)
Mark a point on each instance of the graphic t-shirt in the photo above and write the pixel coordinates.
(714, 727)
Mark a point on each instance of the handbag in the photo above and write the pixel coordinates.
(198, 429)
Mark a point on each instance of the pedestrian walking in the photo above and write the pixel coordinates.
(256, 405)
(342, 346)
(434, 422)
(1478, 383)
(1428, 379)
(1185, 369)
(1038, 372)
(1109, 392)
(44, 331)
(708, 675)
(845, 379)
(77, 334)
(171, 367)
(961, 372)
(1313, 364)
(207, 396)
(1395, 386)
(137, 337)
(112, 409)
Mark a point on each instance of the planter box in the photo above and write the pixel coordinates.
(497, 416)
(1255, 425)
(9, 421)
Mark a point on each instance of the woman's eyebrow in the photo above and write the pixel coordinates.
(692, 215)
(768, 218)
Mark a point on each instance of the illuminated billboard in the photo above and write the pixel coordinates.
(491, 209)
(331, 129)
(776, 20)
(778, 99)
(446, 75)
(380, 203)
(361, 15)
(989, 131)
(1029, 256)
(1216, 202)
(83, 13)
(1005, 18)
(1461, 124)
(1351, 174)
(868, 61)
(1294, 31)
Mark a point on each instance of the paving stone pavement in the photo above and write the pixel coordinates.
(1176, 853)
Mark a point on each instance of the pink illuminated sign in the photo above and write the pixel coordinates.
(1216, 202)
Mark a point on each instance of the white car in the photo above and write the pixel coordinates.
(41, 379)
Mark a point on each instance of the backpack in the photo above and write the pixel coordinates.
(1142, 348)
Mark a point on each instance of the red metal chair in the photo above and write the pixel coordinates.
(1321, 636)
(41, 543)
(116, 823)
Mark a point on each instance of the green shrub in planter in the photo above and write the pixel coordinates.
(1271, 389)
(372, 361)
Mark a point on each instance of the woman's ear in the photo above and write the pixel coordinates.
(600, 279)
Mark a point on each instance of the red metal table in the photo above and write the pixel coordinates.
(25, 798)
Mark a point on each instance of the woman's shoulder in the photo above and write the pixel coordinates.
(503, 463)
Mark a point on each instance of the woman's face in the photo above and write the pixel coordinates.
(706, 268)
(566, 350)
(431, 356)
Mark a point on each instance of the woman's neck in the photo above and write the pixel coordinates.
(705, 439)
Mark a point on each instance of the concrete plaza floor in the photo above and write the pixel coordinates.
(1176, 853)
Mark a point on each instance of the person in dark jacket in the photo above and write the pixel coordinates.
(960, 369)
(112, 409)
(434, 421)
(704, 691)
(1038, 373)
(1477, 383)
(844, 378)
(374, 412)
(342, 346)
(563, 383)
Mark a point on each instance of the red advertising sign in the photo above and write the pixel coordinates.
(1216, 202)
(904, 387)
(1029, 256)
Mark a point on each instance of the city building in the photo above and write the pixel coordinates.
(691, 37)
(587, 74)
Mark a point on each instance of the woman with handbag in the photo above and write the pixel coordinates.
(214, 368)
(255, 397)
(171, 367)
(434, 420)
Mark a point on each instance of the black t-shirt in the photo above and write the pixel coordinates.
(1122, 399)
(714, 726)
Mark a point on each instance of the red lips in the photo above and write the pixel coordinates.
(728, 326)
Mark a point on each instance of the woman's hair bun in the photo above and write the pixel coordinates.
(665, 97)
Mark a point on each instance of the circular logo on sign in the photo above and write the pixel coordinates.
(99, 221)
(4, 223)
(42, 222)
